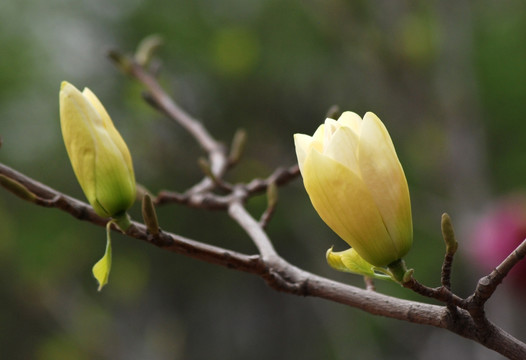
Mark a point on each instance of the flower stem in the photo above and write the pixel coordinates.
(399, 270)
(123, 221)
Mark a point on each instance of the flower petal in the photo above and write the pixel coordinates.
(342, 148)
(115, 190)
(302, 144)
(110, 128)
(382, 172)
(319, 134)
(79, 137)
(344, 203)
(352, 120)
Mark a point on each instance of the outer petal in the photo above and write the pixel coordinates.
(110, 128)
(344, 203)
(115, 188)
(302, 144)
(383, 174)
(79, 137)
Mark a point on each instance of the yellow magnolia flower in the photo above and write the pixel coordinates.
(356, 184)
(99, 156)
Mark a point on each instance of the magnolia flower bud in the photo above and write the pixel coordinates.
(99, 156)
(356, 184)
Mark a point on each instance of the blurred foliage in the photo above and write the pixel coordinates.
(448, 79)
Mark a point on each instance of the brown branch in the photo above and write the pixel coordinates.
(488, 284)
(238, 212)
(171, 242)
(285, 277)
(170, 108)
(267, 215)
(440, 293)
(218, 158)
(280, 176)
(201, 195)
(216, 151)
(207, 200)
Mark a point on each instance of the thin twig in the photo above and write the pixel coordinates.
(238, 212)
(272, 201)
(168, 106)
(488, 284)
(267, 215)
(281, 176)
(208, 200)
(162, 101)
(441, 293)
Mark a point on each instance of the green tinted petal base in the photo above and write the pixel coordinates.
(350, 261)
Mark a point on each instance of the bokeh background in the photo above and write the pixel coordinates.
(448, 79)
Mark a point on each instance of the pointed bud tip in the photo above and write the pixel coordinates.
(63, 84)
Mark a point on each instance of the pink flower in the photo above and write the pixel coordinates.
(498, 233)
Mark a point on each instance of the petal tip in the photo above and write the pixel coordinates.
(63, 84)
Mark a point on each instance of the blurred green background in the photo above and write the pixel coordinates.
(447, 78)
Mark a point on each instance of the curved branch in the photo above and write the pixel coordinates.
(206, 200)
(285, 277)
(487, 285)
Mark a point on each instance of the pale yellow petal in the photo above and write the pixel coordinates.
(101, 110)
(302, 145)
(79, 137)
(107, 123)
(352, 120)
(342, 147)
(385, 179)
(319, 134)
(331, 126)
(344, 203)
